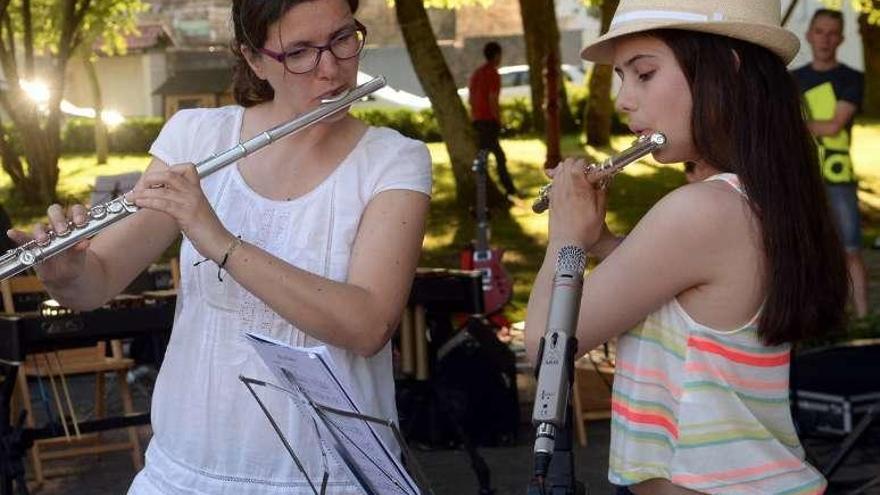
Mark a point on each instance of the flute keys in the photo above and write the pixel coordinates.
(114, 207)
(27, 258)
(50, 235)
(66, 232)
(129, 205)
(98, 212)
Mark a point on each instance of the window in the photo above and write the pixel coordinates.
(189, 103)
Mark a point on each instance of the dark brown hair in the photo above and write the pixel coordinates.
(491, 50)
(829, 13)
(748, 119)
(251, 20)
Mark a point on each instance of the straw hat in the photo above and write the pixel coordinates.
(755, 21)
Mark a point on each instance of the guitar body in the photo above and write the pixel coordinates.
(497, 284)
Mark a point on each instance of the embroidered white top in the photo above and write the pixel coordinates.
(209, 434)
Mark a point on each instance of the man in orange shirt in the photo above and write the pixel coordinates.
(485, 87)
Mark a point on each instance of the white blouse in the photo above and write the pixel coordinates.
(209, 434)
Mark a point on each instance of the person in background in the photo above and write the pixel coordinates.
(484, 89)
(832, 92)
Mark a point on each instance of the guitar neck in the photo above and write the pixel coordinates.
(483, 232)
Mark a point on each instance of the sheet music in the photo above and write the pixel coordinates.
(311, 372)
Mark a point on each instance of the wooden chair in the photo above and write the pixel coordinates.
(89, 360)
(591, 397)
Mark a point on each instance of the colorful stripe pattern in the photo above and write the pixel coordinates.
(705, 409)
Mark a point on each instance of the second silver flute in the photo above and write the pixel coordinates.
(105, 214)
(613, 164)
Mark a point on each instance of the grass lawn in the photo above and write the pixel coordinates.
(524, 236)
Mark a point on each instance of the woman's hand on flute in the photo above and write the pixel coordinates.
(176, 191)
(66, 266)
(577, 212)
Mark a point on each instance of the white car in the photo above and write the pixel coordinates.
(389, 97)
(515, 80)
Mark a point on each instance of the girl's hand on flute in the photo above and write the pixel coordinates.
(577, 206)
(66, 266)
(176, 192)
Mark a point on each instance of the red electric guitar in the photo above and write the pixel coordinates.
(497, 285)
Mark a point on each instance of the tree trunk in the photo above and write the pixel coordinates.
(541, 34)
(600, 110)
(551, 78)
(788, 12)
(21, 187)
(535, 34)
(101, 144)
(436, 79)
(871, 48)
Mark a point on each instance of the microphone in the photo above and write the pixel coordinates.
(556, 354)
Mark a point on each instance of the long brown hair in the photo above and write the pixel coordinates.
(748, 119)
(251, 20)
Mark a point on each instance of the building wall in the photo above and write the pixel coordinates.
(127, 83)
(156, 70)
(499, 19)
(394, 63)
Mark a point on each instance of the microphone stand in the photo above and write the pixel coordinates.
(552, 414)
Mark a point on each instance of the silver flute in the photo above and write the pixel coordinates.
(105, 214)
(604, 171)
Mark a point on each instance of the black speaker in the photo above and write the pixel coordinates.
(832, 387)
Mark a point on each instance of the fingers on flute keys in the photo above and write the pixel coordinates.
(61, 223)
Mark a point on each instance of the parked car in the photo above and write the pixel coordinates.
(515, 80)
(390, 98)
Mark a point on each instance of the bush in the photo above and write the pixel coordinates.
(577, 99)
(421, 124)
(134, 135)
(516, 118)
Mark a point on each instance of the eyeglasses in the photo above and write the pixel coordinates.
(304, 58)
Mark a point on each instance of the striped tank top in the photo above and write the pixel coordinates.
(705, 409)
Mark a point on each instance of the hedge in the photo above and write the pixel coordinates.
(136, 134)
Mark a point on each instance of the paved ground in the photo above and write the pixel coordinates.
(449, 471)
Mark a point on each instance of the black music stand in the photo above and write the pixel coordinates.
(312, 382)
(324, 414)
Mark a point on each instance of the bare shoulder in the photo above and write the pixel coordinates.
(703, 208)
(706, 220)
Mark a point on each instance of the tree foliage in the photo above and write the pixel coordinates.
(38, 38)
